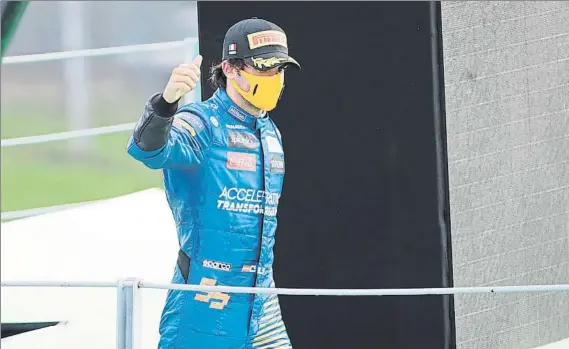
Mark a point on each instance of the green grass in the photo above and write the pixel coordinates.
(52, 174)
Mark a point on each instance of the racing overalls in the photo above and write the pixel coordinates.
(223, 174)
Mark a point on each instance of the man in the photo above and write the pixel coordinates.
(223, 167)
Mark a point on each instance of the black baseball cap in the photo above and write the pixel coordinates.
(260, 43)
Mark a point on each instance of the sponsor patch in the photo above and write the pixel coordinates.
(241, 161)
(196, 122)
(266, 38)
(232, 49)
(237, 113)
(236, 127)
(206, 263)
(180, 124)
(273, 145)
(242, 140)
(277, 164)
(211, 106)
(248, 201)
(253, 269)
(214, 121)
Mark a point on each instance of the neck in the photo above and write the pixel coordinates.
(242, 102)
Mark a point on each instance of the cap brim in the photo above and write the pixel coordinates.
(267, 61)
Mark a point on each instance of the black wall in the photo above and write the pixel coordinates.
(365, 201)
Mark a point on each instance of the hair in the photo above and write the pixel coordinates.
(218, 78)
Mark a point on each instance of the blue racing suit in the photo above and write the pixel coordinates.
(223, 174)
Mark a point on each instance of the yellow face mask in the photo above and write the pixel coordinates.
(264, 91)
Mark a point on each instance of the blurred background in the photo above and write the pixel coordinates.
(81, 93)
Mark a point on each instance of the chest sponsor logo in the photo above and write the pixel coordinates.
(214, 121)
(241, 161)
(237, 113)
(206, 263)
(242, 140)
(253, 269)
(273, 145)
(248, 201)
(236, 127)
(277, 164)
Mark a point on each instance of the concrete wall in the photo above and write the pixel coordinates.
(507, 100)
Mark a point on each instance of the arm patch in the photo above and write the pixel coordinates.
(182, 125)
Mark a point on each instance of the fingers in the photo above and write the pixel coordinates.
(184, 79)
(183, 87)
(187, 71)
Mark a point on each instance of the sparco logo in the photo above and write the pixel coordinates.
(248, 201)
(277, 164)
(216, 265)
(242, 140)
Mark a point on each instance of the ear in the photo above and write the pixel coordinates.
(229, 70)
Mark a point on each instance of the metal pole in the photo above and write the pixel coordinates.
(191, 50)
(76, 75)
(121, 315)
(126, 320)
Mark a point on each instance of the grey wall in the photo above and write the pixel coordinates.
(507, 100)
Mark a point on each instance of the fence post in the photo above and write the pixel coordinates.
(127, 290)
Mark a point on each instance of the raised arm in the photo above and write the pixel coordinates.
(163, 139)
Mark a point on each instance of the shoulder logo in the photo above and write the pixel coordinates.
(214, 121)
(277, 164)
(179, 123)
(273, 145)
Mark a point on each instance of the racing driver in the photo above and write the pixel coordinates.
(223, 167)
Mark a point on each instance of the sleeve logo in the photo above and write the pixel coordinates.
(277, 164)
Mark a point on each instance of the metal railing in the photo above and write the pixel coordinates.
(128, 289)
(190, 47)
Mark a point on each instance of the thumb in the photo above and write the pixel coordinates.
(198, 60)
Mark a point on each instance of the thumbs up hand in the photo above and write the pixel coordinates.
(184, 79)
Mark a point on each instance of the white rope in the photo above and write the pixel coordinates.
(306, 292)
(40, 210)
(12, 142)
(106, 51)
